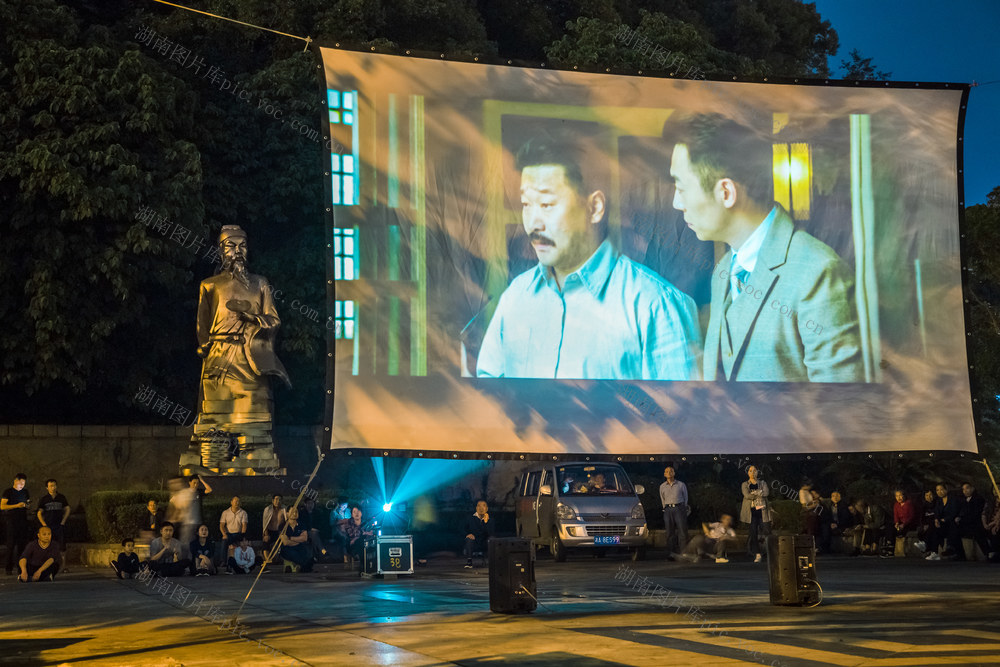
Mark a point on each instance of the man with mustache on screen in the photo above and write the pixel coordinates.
(585, 310)
(782, 301)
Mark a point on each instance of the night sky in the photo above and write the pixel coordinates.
(919, 40)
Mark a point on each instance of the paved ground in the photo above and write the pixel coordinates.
(876, 612)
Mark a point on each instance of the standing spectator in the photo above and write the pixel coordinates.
(904, 515)
(275, 518)
(307, 521)
(970, 521)
(193, 502)
(233, 526)
(53, 511)
(674, 498)
(166, 555)
(14, 506)
(202, 552)
(946, 531)
(127, 564)
(151, 520)
(755, 511)
(243, 558)
(356, 532)
(339, 516)
(834, 521)
(295, 545)
(478, 531)
(179, 506)
(926, 531)
(40, 559)
(715, 538)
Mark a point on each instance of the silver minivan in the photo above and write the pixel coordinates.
(585, 505)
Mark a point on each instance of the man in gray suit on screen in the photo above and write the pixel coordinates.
(782, 301)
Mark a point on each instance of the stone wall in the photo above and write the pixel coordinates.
(86, 459)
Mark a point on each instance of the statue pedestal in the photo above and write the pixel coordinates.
(227, 453)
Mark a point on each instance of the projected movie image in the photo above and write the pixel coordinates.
(538, 261)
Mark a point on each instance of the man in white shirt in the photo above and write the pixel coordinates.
(674, 498)
(715, 538)
(233, 526)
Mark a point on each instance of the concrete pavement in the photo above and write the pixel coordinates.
(595, 612)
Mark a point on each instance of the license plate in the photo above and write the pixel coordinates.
(608, 539)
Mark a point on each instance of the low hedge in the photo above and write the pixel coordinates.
(107, 519)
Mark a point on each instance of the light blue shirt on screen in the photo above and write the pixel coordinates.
(613, 319)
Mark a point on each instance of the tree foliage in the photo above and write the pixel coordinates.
(861, 69)
(97, 124)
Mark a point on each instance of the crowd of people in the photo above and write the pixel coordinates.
(936, 522)
(39, 559)
(290, 535)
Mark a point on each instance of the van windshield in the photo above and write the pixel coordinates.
(586, 480)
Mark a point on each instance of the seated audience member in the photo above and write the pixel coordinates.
(835, 519)
(295, 545)
(202, 552)
(904, 515)
(478, 531)
(243, 558)
(151, 521)
(233, 526)
(715, 539)
(946, 532)
(40, 560)
(356, 532)
(166, 553)
(339, 516)
(970, 521)
(307, 521)
(275, 517)
(926, 530)
(868, 528)
(876, 527)
(127, 564)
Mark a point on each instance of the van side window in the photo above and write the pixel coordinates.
(531, 483)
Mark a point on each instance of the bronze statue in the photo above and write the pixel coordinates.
(237, 322)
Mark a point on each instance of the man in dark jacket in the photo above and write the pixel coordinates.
(479, 528)
(970, 520)
(946, 523)
(833, 521)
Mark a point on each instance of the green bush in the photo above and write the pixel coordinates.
(105, 509)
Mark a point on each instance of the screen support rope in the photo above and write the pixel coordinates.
(277, 543)
(307, 40)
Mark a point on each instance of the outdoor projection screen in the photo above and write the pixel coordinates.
(456, 331)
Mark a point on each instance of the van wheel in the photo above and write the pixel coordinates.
(639, 553)
(556, 547)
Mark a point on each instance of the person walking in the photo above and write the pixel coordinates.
(755, 511)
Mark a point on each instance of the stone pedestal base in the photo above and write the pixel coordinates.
(226, 453)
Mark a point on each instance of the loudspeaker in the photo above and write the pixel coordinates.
(791, 568)
(512, 575)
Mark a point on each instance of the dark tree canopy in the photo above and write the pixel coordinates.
(97, 124)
